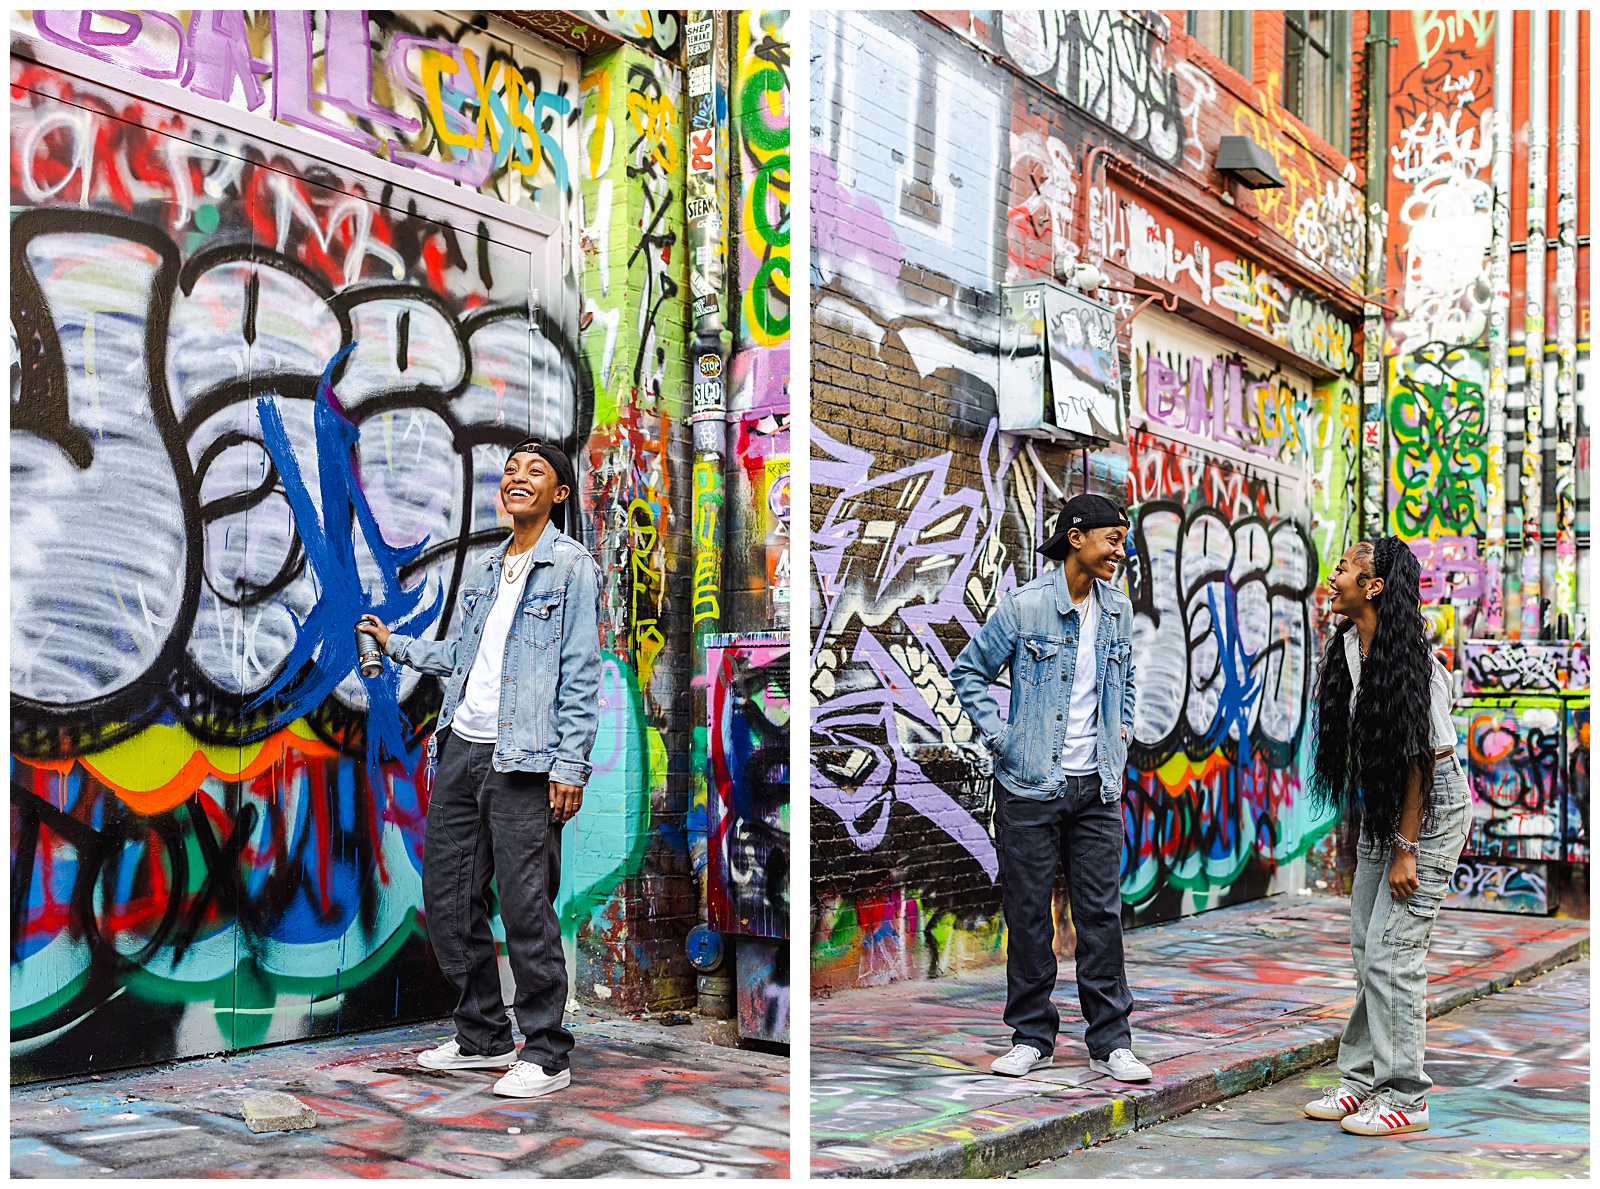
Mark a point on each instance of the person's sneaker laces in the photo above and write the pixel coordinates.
(449, 1056)
(527, 1080)
(1379, 1116)
(1122, 1065)
(1334, 1105)
(1020, 1060)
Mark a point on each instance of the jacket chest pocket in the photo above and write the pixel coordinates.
(1036, 659)
(541, 618)
(1117, 653)
(473, 602)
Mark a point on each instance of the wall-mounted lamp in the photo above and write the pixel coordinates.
(1248, 163)
(1085, 276)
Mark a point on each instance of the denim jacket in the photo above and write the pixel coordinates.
(1035, 631)
(550, 699)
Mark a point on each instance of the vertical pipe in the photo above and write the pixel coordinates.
(1373, 380)
(1533, 317)
(1499, 328)
(1565, 601)
(706, 198)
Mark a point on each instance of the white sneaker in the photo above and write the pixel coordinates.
(449, 1056)
(1123, 1066)
(1020, 1060)
(1334, 1105)
(527, 1080)
(1379, 1116)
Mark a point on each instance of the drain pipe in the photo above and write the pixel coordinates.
(1373, 380)
(1565, 601)
(1533, 317)
(1494, 546)
(706, 198)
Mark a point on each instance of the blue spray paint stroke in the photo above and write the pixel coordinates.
(325, 644)
(1241, 686)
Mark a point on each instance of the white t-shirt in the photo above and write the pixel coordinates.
(477, 718)
(1441, 730)
(1083, 712)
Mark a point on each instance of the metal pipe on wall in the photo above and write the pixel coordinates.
(1533, 317)
(1564, 602)
(1494, 547)
(706, 221)
(1373, 380)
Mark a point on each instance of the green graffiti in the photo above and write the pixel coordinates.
(1438, 429)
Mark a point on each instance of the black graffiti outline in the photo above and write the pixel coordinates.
(45, 729)
(1141, 589)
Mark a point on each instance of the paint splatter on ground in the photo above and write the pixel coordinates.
(644, 1101)
(1511, 1099)
(900, 1074)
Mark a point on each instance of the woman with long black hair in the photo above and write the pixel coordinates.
(1385, 757)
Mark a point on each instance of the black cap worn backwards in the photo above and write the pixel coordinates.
(561, 465)
(1082, 512)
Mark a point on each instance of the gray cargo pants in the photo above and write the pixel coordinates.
(1384, 1041)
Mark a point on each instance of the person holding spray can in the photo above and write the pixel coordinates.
(511, 746)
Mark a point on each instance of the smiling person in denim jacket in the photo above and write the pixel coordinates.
(1386, 759)
(520, 712)
(1059, 762)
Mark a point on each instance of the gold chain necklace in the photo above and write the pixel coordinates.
(506, 571)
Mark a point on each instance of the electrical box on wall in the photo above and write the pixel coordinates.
(1060, 378)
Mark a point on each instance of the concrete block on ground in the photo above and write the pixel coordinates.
(272, 1110)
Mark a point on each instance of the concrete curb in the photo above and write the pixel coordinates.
(1249, 1069)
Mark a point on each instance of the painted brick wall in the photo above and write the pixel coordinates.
(924, 515)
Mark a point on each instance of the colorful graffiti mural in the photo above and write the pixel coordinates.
(1500, 885)
(1526, 666)
(1438, 438)
(747, 884)
(749, 755)
(256, 396)
(1516, 766)
(1438, 188)
(446, 99)
(1237, 471)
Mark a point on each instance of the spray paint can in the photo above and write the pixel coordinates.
(369, 655)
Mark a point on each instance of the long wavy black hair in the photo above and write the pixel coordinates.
(1362, 758)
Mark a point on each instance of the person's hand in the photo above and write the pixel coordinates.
(1124, 734)
(375, 628)
(1403, 874)
(565, 801)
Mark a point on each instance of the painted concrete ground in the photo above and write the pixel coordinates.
(645, 1101)
(1510, 1099)
(1224, 1002)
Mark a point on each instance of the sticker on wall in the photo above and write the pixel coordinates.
(702, 150)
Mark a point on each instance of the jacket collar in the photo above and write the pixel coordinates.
(1105, 594)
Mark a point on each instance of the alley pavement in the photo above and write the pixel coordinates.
(1224, 1003)
(645, 1100)
(1510, 1099)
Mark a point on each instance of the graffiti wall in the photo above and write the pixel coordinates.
(1436, 373)
(748, 891)
(424, 92)
(628, 260)
(1516, 766)
(1237, 467)
(255, 395)
(756, 575)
